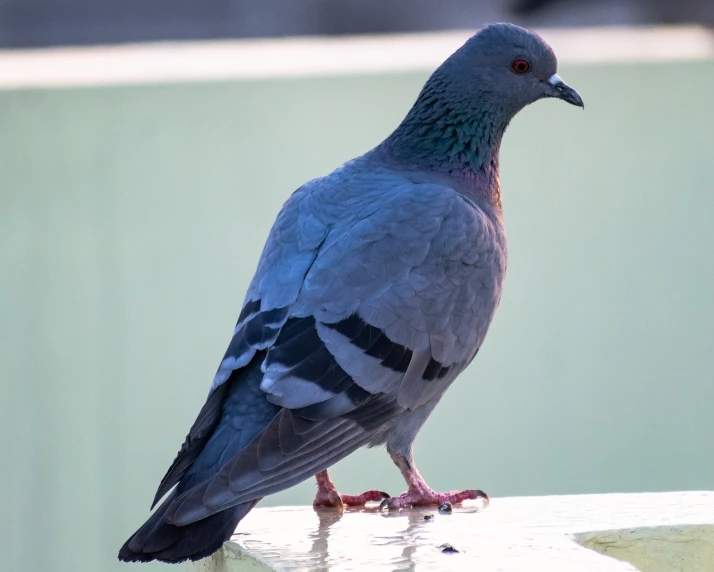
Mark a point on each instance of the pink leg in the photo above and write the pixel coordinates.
(419, 493)
(327, 494)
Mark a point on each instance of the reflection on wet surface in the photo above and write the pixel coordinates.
(330, 539)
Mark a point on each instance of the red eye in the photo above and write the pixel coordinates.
(520, 66)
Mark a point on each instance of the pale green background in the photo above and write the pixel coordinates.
(131, 219)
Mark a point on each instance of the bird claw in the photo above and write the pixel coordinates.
(361, 500)
(335, 499)
(429, 498)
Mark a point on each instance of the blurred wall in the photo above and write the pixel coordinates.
(131, 220)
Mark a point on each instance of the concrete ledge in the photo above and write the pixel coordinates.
(650, 532)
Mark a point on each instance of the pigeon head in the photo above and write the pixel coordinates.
(504, 68)
(457, 123)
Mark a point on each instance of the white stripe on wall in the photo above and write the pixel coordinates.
(320, 56)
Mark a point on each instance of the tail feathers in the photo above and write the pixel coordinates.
(157, 540)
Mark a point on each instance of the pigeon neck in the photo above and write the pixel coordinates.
(461, 144)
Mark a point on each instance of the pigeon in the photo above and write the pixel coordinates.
(375, 289)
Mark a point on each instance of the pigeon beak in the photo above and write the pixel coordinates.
(563, 91)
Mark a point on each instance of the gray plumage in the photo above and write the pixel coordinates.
(375, 289)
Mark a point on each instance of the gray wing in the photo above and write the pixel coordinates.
(367, 316)
(402, 301)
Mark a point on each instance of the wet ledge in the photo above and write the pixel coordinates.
(650, 532)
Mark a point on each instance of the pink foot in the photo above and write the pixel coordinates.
(419, 493)
(333, 498)
(425, 496)
(327, 494)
